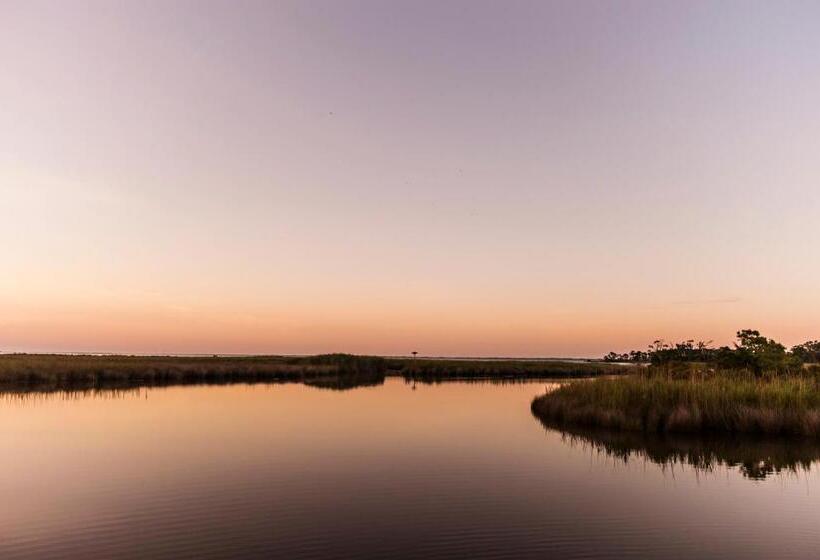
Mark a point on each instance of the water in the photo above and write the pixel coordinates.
(456, 470)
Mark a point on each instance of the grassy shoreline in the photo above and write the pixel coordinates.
(55, 372)
(442, 369)
(52, 372)
(702, 401)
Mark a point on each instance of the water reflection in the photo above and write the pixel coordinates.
(448, 471)
(33, 397)
(124, 389)
(755, 458)
(345, 382)
(120, 390)
(550, 383)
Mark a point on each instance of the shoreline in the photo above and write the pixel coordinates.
(723, 402)
(56, 372)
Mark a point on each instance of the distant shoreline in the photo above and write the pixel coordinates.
(55, 372)
(286, 356)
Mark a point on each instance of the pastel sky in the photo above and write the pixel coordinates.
(458, 178)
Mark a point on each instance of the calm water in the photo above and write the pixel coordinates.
(455, 470)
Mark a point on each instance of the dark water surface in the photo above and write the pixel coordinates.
(456, 470)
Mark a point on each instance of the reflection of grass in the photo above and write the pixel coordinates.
(110, 394)
(755, 457)
(717, 402)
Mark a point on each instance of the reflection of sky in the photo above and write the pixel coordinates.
(557, 178)
(289, 470)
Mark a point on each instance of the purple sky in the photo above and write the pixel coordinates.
(470, 178)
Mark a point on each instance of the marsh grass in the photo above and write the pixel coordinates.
(705, 401)
(52, 372)
(57, 372)
(433, 370)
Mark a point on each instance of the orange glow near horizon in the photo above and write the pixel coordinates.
(483, 329)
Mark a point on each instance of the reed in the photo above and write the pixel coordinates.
(47, 372)
(54, 372)
(443, 369)
(703, 401)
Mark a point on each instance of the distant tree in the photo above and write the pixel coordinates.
(635, 356)
(760, 353)
(687, 351)
(638, 356)
(808, 352)
(752, 351)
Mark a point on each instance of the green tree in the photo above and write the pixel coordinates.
(761, 353)
(808, 352)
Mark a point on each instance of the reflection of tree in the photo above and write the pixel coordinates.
(121, 390)
(351, 381)
(755, 458)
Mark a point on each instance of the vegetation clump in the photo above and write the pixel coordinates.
(752, 352)
(47, 372)
(755, 387)
(433, 370)
(56, 372)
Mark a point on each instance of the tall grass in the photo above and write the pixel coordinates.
(444, 369)
(703, 402)
(45, 372)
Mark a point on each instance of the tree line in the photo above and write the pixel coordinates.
(752, 351)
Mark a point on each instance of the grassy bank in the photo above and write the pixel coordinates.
(44, 372)
(702, 401)
(443, 369)
(49, 372)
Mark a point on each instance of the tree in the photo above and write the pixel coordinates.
(752, 351)
(808, 352)
(638, 356)
(761, 353)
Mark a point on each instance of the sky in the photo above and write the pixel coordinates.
(459, 178)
